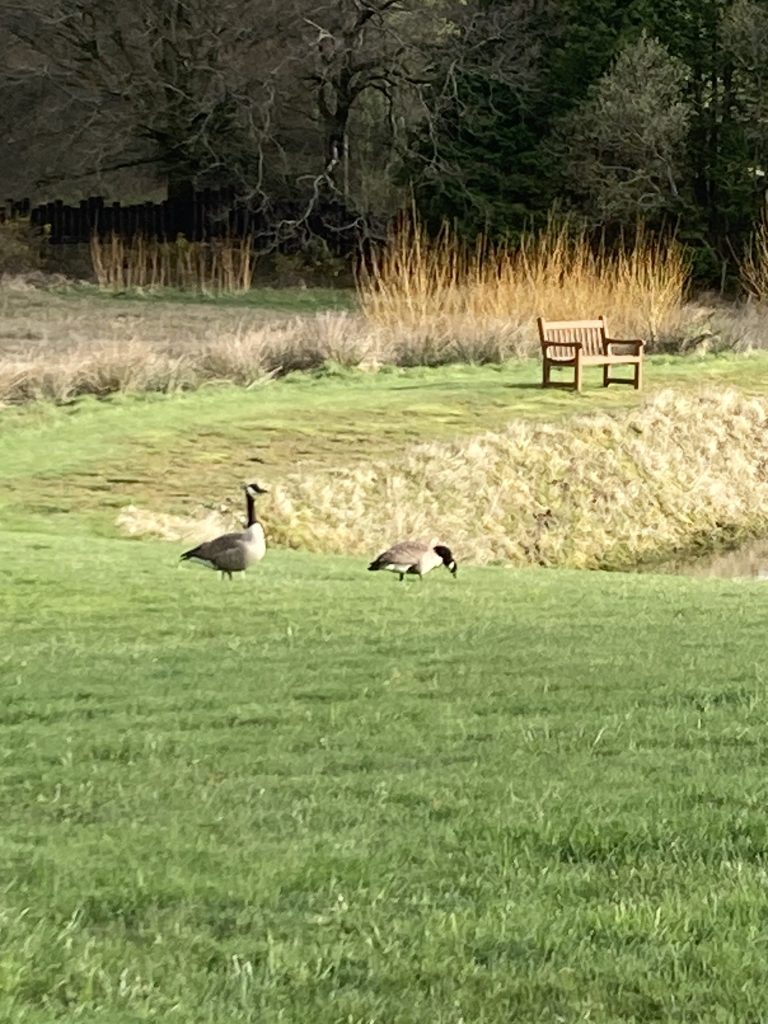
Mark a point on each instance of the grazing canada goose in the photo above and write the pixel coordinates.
(414, 557)
(234, 552)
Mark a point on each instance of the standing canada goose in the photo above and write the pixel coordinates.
(414, 557)
(234, 552)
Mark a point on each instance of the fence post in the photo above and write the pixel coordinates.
(95, 208)
(57, 220)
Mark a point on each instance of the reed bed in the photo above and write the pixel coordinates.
(753, 265)
(449, 293)
(218, 267)
(603, 490)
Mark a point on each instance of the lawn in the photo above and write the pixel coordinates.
(88, 458)
(319, 795)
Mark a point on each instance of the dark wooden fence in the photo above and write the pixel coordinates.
(208, 214)
(14, 208)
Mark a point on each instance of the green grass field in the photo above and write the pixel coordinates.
(318, 795)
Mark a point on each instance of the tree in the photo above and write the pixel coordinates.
(623, 149)
(745, 41)
(172, 80)
(714, 39)
(472, 157)
(287, 101)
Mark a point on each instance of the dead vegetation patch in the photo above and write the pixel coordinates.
(600, 491)
(200, 525)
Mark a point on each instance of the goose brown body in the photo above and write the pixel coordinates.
(414, 557)
(234, 552)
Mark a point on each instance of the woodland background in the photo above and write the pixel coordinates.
(487, 113)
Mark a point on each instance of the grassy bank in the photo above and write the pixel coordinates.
(321, 795)
(681, 472)
(480, 454)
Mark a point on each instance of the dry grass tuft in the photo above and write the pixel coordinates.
(416, 311)
(480, 302)
(140, 351)
(424, 304)
(204, 524)
(601, 491)
(22, 248)
(241, 351)
(63, 375)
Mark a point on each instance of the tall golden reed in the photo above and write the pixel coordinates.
(753, 266)
(417, 282)
(222, 266)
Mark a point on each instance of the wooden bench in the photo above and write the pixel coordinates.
(580, 343)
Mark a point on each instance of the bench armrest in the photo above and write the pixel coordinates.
(637, 343)
(560, 344)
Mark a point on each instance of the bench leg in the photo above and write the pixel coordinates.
(638, 376)
(606, 375)
(546, 376)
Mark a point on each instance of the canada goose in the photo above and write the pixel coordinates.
(414, 557)
(234, 552)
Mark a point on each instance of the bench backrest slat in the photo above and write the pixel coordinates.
(590, 333)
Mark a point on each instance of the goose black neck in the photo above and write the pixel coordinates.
(251, 509)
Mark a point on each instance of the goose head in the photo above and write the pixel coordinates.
(448, 560)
